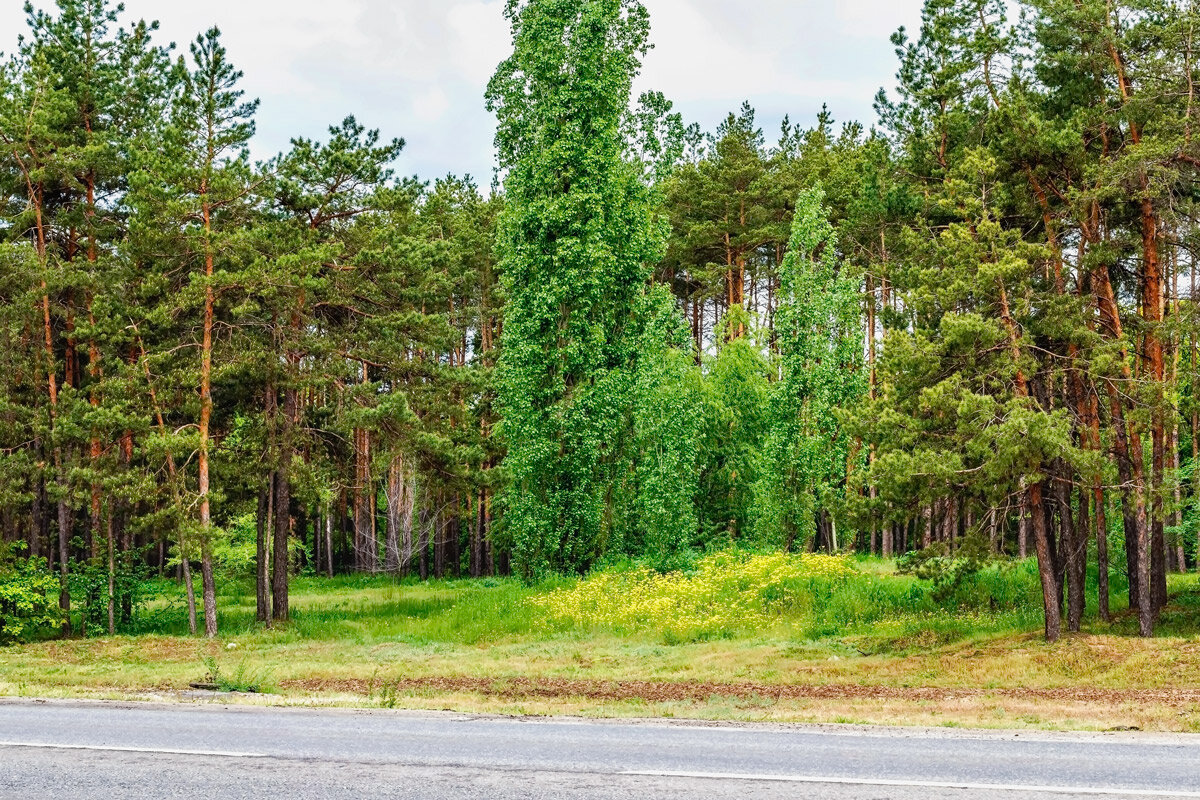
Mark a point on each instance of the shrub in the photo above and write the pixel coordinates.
(28, 599)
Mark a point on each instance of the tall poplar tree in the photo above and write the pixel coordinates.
(576, 237)
(809, 454)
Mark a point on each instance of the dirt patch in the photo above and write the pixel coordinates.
(672, 691)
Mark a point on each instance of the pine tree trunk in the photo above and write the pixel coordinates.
(1180, 560)
(189, 589)
(1043, 545)
(123, 535)
(1074, 540)
(329, 541)
(64, 556)
(366, 556)
(888, 544)
(1023, 528)
(206, 409)
(427, 520)
(262, 566)
(112, 583)
(1152, 312)
(1127, 447)
(396, 501)
(1101, 552)
(39, 512)
(994, 531)
(1050, 586)
(479, 557)
(1146, 498)
(283, 524)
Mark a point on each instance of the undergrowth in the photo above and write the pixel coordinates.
(734, 593)
(244, 678)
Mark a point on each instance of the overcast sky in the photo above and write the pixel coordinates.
(417, 68)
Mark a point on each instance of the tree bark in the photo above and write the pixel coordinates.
(1042, 543)
(282, 533)
(399, 516)
(206, 409)
(265, 527)
(366, 554)
(1127, 447)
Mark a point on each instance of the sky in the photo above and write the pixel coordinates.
(417, 69)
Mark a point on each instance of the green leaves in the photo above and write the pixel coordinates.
(820, 334)
(577, 236)
(28, 598)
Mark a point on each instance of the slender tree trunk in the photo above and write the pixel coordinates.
(1050, 587)
(206, 409)
(1023, 527)
(124, 535)
(1101, 552)
(64, 511)
(289, 419)
(262, 564)
(396, 501)
(39, 525)
(185, 568)
(64, 554)
(112, 587)
(479, 557)
(1074, 539)
(1148, 589)
(365, 547)
(189, 586)
(1152, 312)
(1041, 534)
(283, 524)
(1127, 447)
(329, 541)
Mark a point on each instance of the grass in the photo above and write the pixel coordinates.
(879, 648)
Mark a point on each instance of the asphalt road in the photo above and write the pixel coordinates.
(116, 751)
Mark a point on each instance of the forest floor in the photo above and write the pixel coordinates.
(477, 647)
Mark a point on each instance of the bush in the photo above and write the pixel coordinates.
(88, 584)
(244, 679)
(28, 599)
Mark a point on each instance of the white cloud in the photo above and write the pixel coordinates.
(418, 68)
(431, 105)
(482, 39)
(874, 18)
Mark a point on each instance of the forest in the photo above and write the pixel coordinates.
(961, 333)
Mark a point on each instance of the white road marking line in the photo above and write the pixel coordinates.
(118, 749)
(993, 787)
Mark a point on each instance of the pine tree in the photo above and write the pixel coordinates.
(193, 192)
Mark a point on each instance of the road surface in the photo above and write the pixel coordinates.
(115, 751)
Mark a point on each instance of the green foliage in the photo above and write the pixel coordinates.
(366, 609)
(244, 678)
(736, 593)
(667, 411)
(28, 599)
(726, 593)
(576, 236)
(949, 569)
(89, 587)
(808, 452)
(736, 417)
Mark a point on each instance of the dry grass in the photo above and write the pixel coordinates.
(997, 677)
